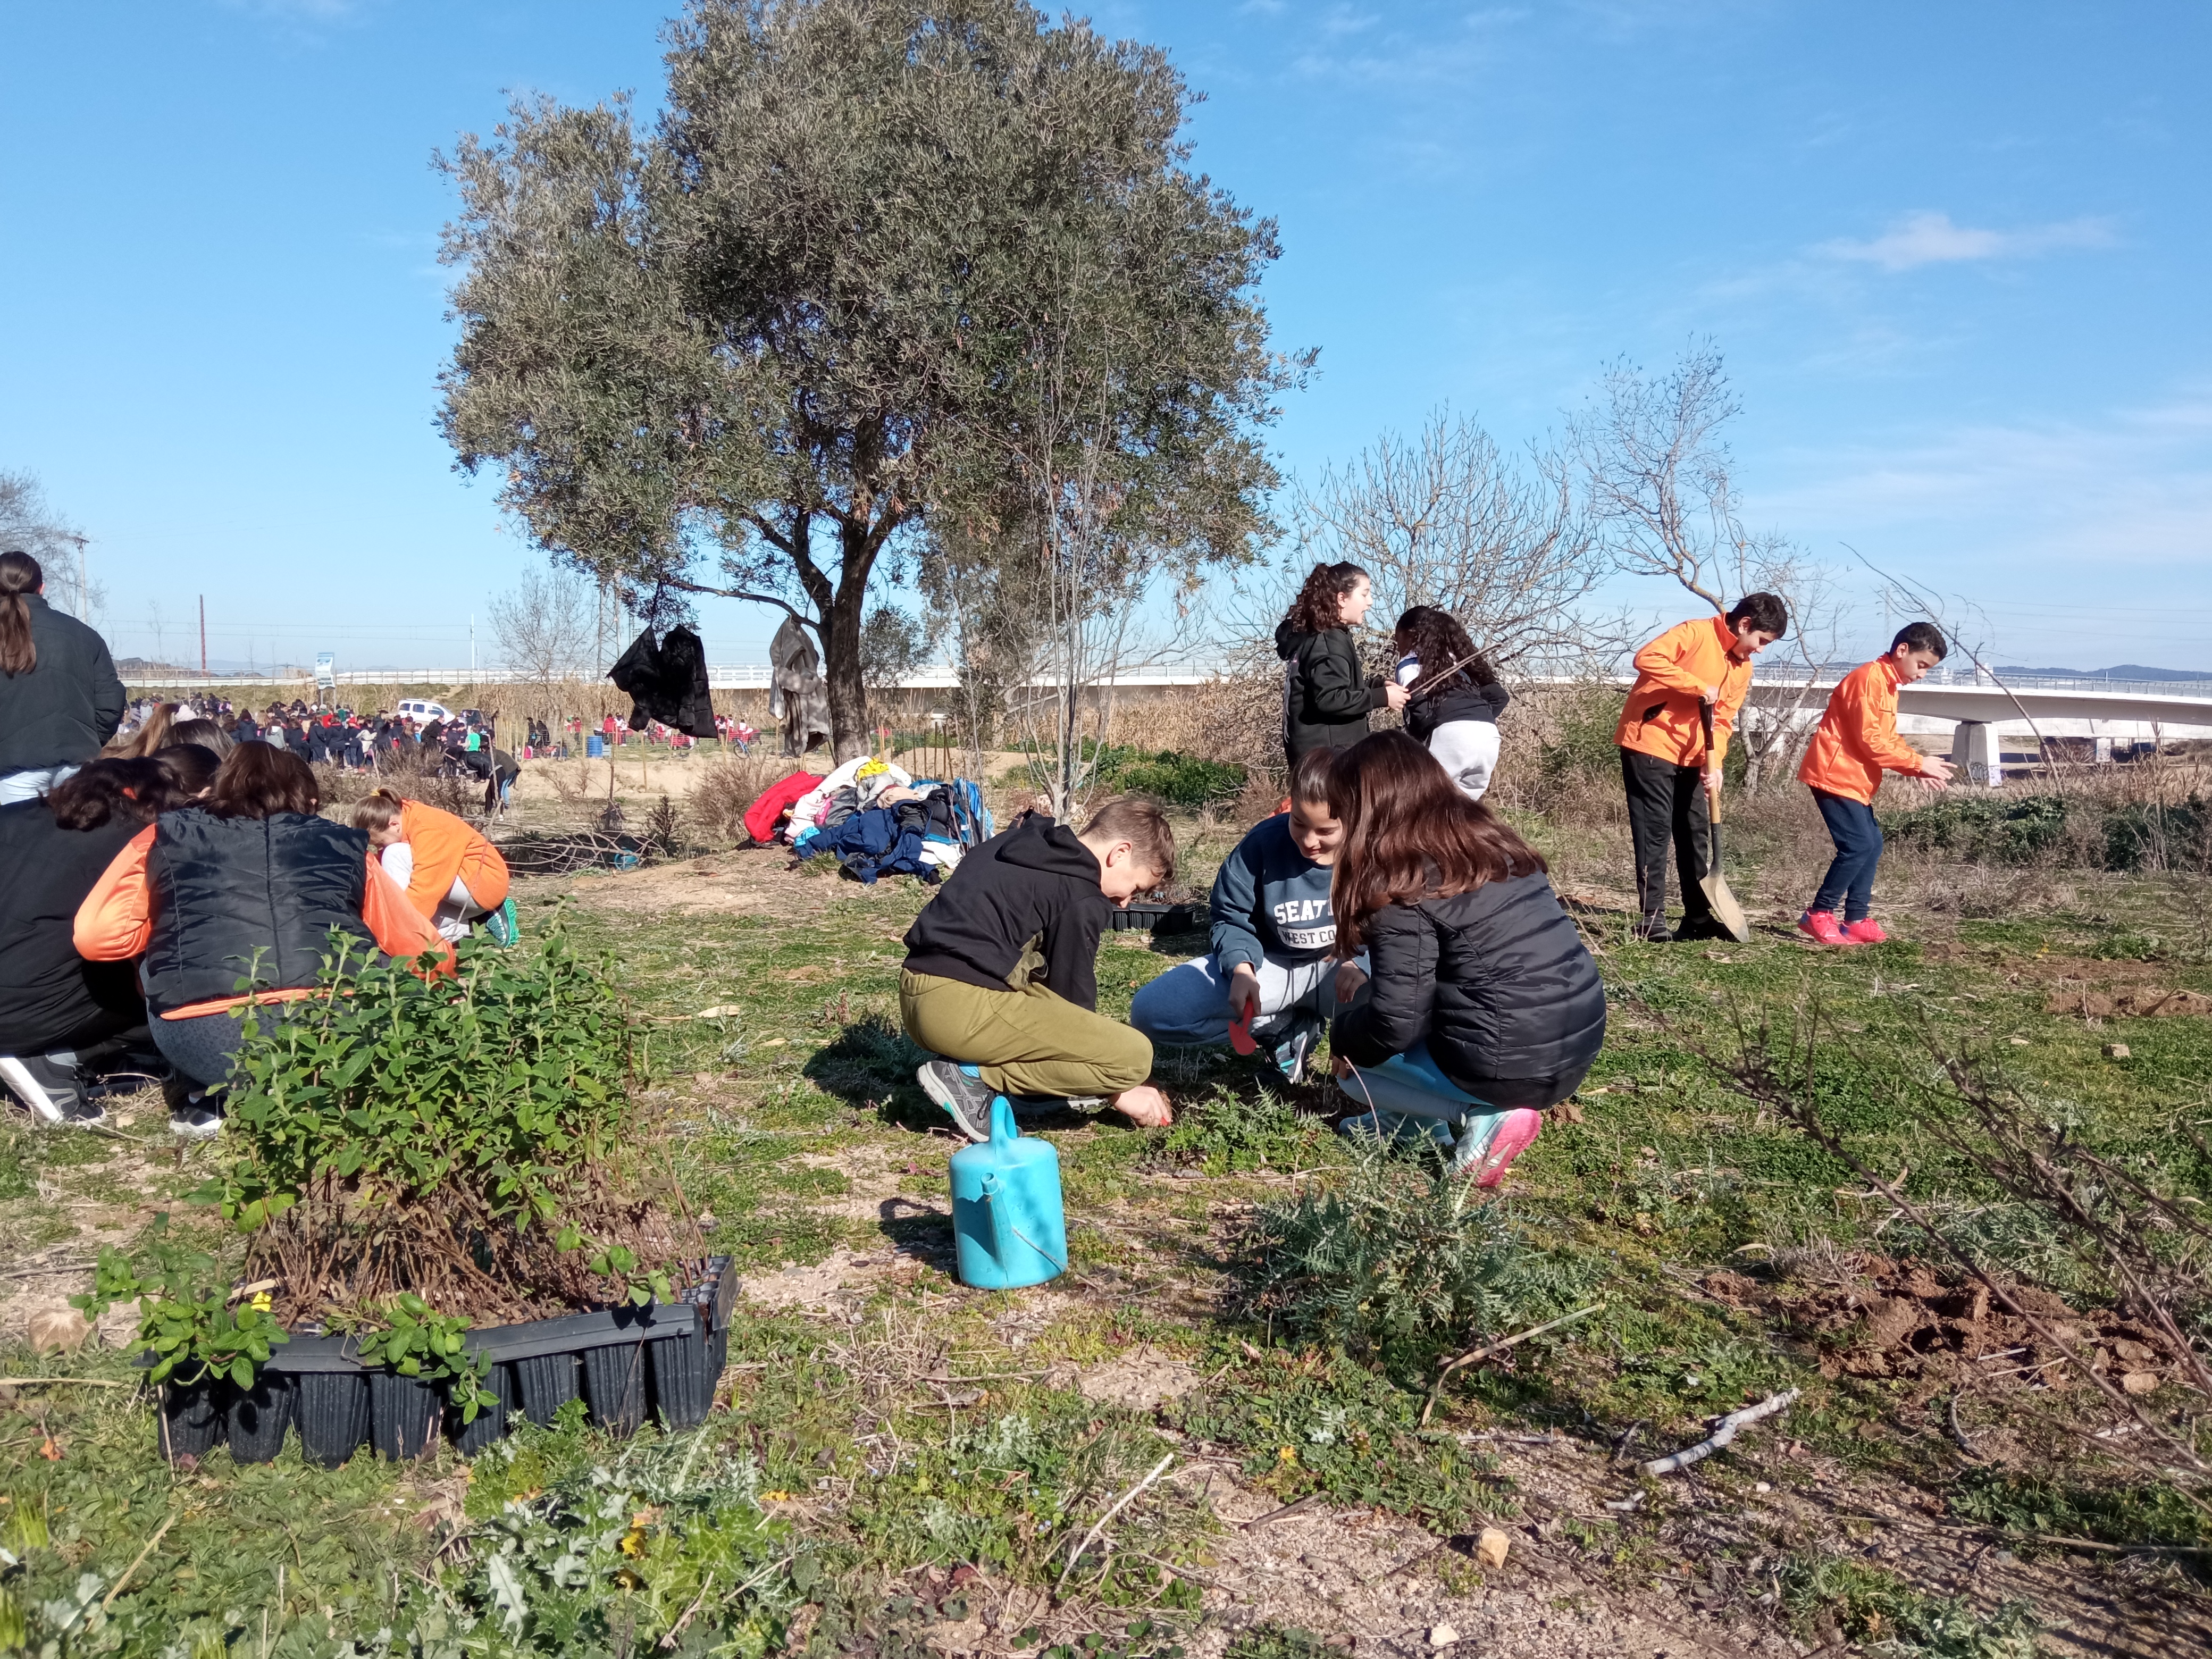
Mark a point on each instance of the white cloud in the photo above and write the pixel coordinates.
(1929, 238)
(2085, 540)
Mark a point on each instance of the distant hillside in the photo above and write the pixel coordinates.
(2126, 671)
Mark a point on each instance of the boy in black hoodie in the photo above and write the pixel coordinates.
(1000, 978)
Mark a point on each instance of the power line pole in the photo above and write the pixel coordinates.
(203, 636)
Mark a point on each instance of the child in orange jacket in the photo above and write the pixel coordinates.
(453, 875)
(1856, 743)
(1665, 765)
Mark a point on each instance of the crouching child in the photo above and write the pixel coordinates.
(1485, 1008)
(1001, 977)
(1274, 939)
(452, 874)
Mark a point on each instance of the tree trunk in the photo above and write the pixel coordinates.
(841, 648)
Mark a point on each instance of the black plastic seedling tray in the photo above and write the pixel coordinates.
(666, 1357)
(1157, 918)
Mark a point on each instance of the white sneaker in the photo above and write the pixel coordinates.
(194, 1119)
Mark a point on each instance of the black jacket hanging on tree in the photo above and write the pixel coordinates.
(667, 682)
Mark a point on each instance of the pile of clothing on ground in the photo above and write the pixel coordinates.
(874, 818)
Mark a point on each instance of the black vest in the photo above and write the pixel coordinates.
(227, 891)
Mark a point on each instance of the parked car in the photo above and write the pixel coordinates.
(422, 712)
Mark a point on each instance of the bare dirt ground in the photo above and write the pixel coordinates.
(1368, 1582)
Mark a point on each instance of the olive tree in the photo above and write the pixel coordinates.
(815, 312)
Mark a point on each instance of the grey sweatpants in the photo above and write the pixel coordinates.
(1468, 750)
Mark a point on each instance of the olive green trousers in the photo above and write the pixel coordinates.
(1025, 1042)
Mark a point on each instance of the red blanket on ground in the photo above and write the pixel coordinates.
(762, 816)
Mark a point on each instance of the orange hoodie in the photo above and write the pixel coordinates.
(116, 921)
(445, 846)
(1858, 738)
(1672, 673)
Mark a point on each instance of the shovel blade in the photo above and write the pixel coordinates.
(1726, 911)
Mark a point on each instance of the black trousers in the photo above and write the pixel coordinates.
(1666, 802)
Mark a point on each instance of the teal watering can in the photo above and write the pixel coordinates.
(1006, 1213)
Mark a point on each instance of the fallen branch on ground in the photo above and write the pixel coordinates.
(1476, 1355)
(1120, 1504)
(1720, 1436)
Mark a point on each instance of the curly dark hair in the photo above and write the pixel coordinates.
(1316, 609)
(1436, 637)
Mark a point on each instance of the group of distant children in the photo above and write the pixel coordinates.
(1385, 905)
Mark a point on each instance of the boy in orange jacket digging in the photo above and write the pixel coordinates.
(1857, 743)
(1665, 765)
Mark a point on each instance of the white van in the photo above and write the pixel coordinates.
(422, 713)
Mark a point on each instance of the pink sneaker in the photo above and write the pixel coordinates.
(1515, 1134)
(1865, 931)
(1821, 925)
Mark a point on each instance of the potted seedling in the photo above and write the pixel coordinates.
(451, 1210)
(208, 1347)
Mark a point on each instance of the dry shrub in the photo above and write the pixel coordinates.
(723, 790)
(1956, 887)
(409, 775)
(1238, 718)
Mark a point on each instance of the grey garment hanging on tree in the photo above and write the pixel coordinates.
(667, 682)
(798, 695)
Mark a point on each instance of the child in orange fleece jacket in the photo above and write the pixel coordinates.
(1669, 772)
(1857, 743)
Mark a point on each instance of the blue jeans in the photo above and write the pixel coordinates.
(1188, 1004)
(1409, 1092)
(1849, 885)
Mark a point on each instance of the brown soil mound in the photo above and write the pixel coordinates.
(2145, 1004)
(1908, 1321)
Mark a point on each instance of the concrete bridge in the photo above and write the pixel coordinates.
(1982, 716)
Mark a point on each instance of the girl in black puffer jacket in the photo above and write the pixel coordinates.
(1455, 697)
(1326, 698)
(1485, 1008)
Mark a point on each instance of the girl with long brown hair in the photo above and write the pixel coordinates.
(1327, 696)
(59, 697)
(1484, 1007)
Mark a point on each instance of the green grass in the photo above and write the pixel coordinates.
(779, 1110)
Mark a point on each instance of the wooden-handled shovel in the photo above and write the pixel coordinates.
(1713, 884)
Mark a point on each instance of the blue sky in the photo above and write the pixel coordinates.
(1957, 258)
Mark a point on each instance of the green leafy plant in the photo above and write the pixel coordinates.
(1397, 1251)
(619, 1262)
(2153, 836)
(1175, 779)
(1269, 1640)
(1993, 829)
(674, 1546)
(416, 1340)
(1889, 1617)
(1314, 1421)
(1230, 1132)
(455, 1138)
(1143, 1639)
(187, 1319)
(501, 1079)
